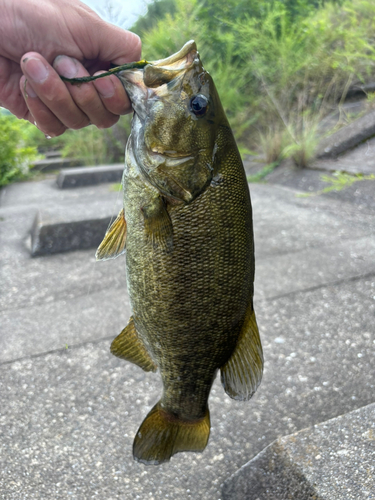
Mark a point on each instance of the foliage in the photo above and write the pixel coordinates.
(95, 146)
(155, 11)
(280, 66)
(15, 154)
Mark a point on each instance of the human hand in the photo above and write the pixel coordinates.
(34, 35)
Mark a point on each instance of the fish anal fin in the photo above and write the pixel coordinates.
(158, 224)
(114, 241)
(128, 346)
(242, 373)
(161, 435)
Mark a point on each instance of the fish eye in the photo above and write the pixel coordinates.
(199, 104)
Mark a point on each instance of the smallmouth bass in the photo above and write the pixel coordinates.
(187, 230)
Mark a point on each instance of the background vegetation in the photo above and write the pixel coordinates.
(281, 67)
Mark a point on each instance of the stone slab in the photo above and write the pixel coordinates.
(360, 160)
(87, 176)
(64, 322)
(49, 235)
(347, 137)
(329, 461)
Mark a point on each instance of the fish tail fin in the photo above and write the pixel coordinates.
(162, 434)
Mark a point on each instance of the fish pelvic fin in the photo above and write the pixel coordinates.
(114, 241)
(242, 373)
(158, 224)
(162, 434)
(129, 346)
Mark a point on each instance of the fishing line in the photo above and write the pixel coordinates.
(84, 79)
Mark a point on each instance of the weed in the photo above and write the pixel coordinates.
(337, 182)
(263, 173)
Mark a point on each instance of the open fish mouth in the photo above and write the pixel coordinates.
(181, 59)
(143, 84)
(165, 126)
(146, 86)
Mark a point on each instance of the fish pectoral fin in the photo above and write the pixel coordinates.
(114, 240)
(129, 346)
(158, 224)
(162, 434)
(242, 373)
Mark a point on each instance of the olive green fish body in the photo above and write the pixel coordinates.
(187, 227)
(189, 304)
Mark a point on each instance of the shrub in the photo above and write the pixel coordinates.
(15, 154)
(280, 66)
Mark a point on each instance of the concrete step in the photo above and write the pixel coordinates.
(52, 233)
(334, 460)
(88, 176)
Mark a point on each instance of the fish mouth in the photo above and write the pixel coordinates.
(145, 84)
(181, 59)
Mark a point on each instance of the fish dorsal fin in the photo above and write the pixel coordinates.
(242, 373)
(129, 346)
(113, 243)
(158, 224)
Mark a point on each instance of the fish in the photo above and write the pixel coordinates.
(186, 228)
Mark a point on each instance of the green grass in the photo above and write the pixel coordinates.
(337, 182)
(267, 169)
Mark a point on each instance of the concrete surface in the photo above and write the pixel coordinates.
(330, 461)
(87, 176)
(69, 410)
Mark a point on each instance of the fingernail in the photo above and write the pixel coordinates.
(35, 69)
(65, 66)
(105, 87)
(29, 91)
